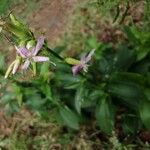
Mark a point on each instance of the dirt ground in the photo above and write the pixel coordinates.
(52, 17)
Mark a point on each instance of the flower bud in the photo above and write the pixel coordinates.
(30, 44)
(72, 61)
(22, 43)
(17, 28)
(9, 69)
(16, 65)
(14, 20)
(19, 32)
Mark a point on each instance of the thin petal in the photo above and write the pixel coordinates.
(22, 51)
(85, 68)
(89, 56)
(52, 63)
(83, 59)
(76, 69)
(16, 66)
(9, 69)
(26, 64)
(40, 59)
(39, 45)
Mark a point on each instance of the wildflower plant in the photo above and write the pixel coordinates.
(100, 84)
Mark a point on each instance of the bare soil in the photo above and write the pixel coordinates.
(52, 17)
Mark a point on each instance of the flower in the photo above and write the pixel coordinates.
(31, 55)
(82, 65)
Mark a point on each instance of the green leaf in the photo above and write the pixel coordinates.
(105, 67)
(105, 115)
(145, 113)
(44, 72)
(147, 93)
(131, 35)
(142, 67)
(79, 99)
(46, 89)
(131, 93)
(128, 77)
(92, 97)
(68, 81)
(20, 32)
(92, 43)
(124, 59)
(140, 39)
(2, 61)
(69, 117)
(4, 5)
(131, 123)
(142, 52)
(124, 90)
(33, 99)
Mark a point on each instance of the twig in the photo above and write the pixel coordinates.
(125, 13)
(117, 14)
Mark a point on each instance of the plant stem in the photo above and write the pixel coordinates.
(125, 13)
(55, 54)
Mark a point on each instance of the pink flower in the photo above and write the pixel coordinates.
(83, 63)
(31, 55)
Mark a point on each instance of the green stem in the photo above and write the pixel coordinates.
(117, 13)
(55, 54)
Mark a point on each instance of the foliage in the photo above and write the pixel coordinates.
(118, 79)
(4, 5)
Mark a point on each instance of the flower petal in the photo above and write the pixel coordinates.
(76, 69)
(26, 64)
(9, 69)
(85, 67)
(16, 66)
(40, 58)
(83, 60)
(22, 51)
(89, 56)
(39, 45)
